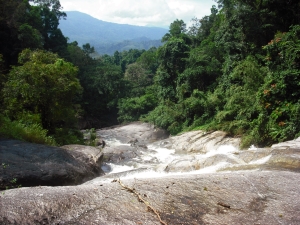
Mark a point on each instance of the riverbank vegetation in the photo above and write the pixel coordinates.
(237, 70)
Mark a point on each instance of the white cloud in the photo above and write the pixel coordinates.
(143, 12)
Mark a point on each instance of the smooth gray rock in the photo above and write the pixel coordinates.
(29, 164)
(257, 197)
(283, 156)
(137, 132)
(199, 141)
(259, 186)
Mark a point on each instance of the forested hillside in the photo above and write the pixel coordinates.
(237, 70)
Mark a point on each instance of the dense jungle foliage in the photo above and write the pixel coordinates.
(237, 70)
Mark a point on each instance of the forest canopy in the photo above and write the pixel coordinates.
(236, 70)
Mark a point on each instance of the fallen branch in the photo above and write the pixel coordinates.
(132, 190)
(224, 205)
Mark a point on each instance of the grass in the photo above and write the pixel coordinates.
(26, 132)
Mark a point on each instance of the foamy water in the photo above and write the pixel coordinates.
(163, 155)
(155, 161)
(153, 174)
(150, 173)
(160, 158)
(223, 149)
(114, 142)
(252, 147)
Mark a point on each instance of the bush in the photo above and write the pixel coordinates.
(31, 132)
(65, 136)
(168, 116)
(131, 109)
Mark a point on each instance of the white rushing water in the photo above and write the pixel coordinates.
(160, 158)
(195, 152)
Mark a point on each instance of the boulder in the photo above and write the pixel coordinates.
(199, 141)
(192, 163)
(28, 164)
(136, 132)
(282, 156)
(248, 197)
(119, 154)
(88, 155)
(126, 143)
(184, 164)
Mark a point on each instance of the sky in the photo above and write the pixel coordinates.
(155, 13)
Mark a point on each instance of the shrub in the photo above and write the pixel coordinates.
(31, 132)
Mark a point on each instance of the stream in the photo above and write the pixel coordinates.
(154, 160)
(129, 155)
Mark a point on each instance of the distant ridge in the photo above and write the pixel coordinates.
(109, 37)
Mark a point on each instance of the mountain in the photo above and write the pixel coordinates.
(126, 45)
(109, 37)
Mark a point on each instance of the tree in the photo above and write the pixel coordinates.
(132, 108)
(173, 56)
(12, 13)
(24, 25)
(29, 37)
(117, 58)
(149, 60)
(129, 57)
(279, 96)
(109, 83)
(138, 76)
(103, 85)
(88, 49)
(53, 5)
(78, 57)
(43, 85)
(177, 29)
(201, 28)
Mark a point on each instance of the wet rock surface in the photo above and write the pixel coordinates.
(28, 164)
(217, 150)
(127, 144)
(199, 141)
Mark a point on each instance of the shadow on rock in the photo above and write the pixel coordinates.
(28, 164)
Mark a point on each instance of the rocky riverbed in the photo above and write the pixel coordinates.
(151, 178)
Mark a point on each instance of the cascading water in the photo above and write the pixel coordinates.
(132, 152)
(155, 160)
